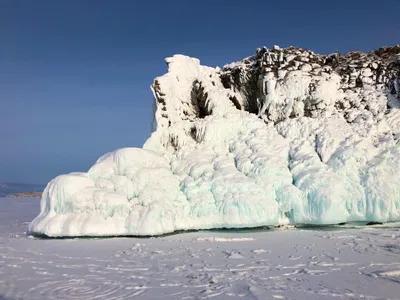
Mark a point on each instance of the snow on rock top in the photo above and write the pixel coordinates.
(286, 136)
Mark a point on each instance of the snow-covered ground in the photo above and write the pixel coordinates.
(338, 263)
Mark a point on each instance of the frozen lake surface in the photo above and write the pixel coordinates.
(339, 263)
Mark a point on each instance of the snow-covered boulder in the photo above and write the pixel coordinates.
(286, 136)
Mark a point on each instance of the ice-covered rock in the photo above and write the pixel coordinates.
(286, 136)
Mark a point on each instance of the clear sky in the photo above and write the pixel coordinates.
(75, 74)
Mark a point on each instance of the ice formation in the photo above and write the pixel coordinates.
(286, 136)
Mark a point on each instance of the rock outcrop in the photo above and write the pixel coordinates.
(368, 82)
(286, 136)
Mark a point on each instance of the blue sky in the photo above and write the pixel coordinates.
(75, 75)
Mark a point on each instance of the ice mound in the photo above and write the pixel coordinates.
(283, 137)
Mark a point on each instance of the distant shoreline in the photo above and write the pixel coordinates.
(25, 195)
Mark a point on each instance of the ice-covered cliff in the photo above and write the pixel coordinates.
(286, 136)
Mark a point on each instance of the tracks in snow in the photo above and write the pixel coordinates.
(292, 264)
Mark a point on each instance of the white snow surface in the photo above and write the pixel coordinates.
(234, 169)
(335, 263)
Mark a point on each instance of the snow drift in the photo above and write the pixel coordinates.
(286, 136)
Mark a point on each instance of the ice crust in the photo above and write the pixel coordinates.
(322, 155)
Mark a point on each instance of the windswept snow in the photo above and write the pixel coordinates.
(284, 137)
(342, 263)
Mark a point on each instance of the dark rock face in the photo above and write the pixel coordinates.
(359, 72)
(199, 100)
(277, 85)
